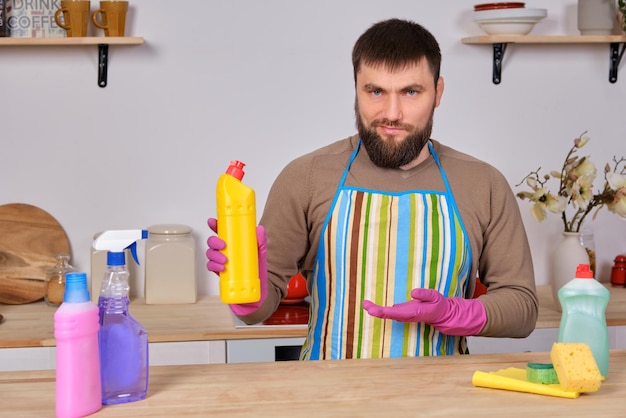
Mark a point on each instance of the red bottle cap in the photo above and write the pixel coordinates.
(235, 169)
(583, 271)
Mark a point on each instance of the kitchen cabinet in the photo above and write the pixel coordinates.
(499, 44)
(190, 352)
(538, 340)
(167, 353)
(541, 339)
(102, 43)
(27, 358)
(261, 350)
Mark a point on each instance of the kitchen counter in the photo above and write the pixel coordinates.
(422, 386)
(31, 325)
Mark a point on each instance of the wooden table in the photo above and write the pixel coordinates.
(31, 325)
(405, 387)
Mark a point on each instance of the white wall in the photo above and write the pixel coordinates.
(263, 82)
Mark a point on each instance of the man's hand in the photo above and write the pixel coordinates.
(217, 260)
(452, 316)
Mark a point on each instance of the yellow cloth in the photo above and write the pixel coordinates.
(515, 379)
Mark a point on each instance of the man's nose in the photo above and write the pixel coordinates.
(393, 108)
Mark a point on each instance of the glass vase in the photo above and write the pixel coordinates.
(567, 256)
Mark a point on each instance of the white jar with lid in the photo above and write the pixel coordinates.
(170, 266)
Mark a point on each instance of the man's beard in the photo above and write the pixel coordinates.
(388, 153)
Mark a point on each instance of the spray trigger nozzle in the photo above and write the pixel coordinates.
(118, 241)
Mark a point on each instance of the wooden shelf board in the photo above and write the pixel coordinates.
(526, 39)
(88, 40)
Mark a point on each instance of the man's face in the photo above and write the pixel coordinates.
(394, 111)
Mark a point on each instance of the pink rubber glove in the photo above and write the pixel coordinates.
(451, 316)
(217, 260)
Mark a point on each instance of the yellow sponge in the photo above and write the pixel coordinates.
(575, 366)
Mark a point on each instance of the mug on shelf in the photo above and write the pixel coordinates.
(112, 17)
(75, 17)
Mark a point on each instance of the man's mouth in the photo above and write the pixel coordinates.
(387, 127)
(390, 130)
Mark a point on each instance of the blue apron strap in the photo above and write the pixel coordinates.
(341, 184)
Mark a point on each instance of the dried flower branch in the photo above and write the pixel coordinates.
(576, 189)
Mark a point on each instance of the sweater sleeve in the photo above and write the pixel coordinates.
(506, 267)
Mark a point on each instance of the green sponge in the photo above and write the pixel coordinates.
(543, 373)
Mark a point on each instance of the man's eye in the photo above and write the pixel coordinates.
(376, 92)
(411, 92)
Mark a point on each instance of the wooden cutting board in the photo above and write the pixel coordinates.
(29, 239)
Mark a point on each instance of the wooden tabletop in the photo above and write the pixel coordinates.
(31, 325)
(405, 387)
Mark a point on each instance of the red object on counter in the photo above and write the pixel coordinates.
(618, 272)
(296, 290)
(289, 315)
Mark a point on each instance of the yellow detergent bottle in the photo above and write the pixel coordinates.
(236, 225)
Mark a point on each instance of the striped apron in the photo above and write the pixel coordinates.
(379, 246)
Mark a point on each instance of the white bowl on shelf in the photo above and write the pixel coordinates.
(497, 27)
(519, 21)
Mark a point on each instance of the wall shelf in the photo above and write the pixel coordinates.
(500, 42)
(102, 43)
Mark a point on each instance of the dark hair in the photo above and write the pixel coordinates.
(396, 43)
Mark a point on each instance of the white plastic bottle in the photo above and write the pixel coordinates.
(584, 302)
(76, 325)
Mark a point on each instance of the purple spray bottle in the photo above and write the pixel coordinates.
(123, 341)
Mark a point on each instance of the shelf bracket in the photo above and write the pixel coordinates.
(498, 55)
(615, 58)
(103, 62)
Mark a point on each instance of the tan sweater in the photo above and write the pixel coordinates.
(300, 198)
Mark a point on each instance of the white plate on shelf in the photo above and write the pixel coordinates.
(514, 14)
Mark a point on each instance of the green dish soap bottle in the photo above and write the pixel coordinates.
(583, 320)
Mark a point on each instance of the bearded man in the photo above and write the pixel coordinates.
(391, 228)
